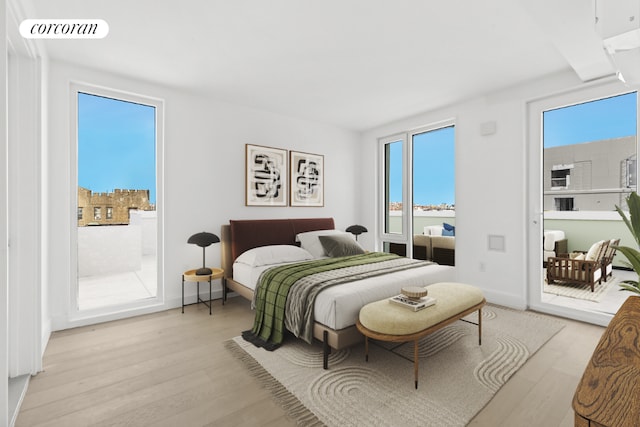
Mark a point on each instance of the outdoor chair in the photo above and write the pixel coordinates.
(585, 269)
(554, 244)
(607, 259)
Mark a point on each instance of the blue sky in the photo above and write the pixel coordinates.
(608, 118)
(433, 170)
(434, 183)
(433, 167)
(116, 145)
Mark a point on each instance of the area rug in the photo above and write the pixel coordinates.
(457, 378)
(583, 292)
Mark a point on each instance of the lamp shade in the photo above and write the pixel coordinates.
(203, 239)
(356, 229)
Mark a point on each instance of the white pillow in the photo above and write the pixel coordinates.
(550, 239)
(432, 230)
(310, 241)
(549, 242)
(274, 254)
(578, 257)
(594, 250)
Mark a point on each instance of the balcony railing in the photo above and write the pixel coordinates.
(581, 228)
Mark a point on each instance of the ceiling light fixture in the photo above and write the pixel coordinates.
(618, 24)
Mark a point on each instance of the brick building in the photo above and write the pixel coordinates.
(110, 208)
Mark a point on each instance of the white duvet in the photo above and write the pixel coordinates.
(337, 307)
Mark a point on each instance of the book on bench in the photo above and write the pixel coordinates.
(413, 304)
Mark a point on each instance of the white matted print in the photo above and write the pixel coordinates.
(266, 176)
(307, 179)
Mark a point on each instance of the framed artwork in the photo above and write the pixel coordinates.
(265, 176)
(307, 179)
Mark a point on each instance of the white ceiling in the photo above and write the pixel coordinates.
(352, 63)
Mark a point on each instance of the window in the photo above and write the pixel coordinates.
(97, 215)
(79, 213)
(589, 154)
(631, 175)
(393, 187)
(433, 187)
(560, 178)
(564, 203)
(433, 174)
(109, 213)
(417, 186)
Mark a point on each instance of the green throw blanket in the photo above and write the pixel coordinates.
(275, 285)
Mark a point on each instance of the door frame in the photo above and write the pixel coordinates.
(406, 138)
(534, 127)
(85, 317)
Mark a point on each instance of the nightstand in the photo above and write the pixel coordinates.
(191, 276)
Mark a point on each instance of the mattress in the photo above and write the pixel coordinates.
(337, 307)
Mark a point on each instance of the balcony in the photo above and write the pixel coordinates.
(582, 229)
(117, 264)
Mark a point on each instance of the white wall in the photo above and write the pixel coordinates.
(109, 250)
(45, 278)
(148, 222)
(4, 224)
(491, 177)
(203, 173)
(24, 215)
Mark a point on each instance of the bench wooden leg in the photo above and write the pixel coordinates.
(479, 326)
(415, 362)
(366, 349)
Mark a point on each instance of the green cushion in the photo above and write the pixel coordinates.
(388, 318)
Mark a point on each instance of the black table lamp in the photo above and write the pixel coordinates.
(356, 230)
(203, 240)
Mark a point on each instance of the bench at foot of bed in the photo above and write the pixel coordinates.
(385, 321)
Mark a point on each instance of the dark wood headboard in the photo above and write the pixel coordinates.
(241, 235)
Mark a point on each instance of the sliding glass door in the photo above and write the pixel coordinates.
(433, 194)
(418, 188)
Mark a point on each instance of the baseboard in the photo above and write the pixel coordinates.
(17, 391)
(216, 294)
(600, 319)
(46, 335)
(90, 318)
(507, 300)
(61, 323)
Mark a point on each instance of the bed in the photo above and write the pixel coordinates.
(336, 308)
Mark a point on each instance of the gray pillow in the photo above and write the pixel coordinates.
(340, 245)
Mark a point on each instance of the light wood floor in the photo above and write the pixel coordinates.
(171, 369)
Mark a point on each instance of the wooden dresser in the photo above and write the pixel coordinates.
(609, 392)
